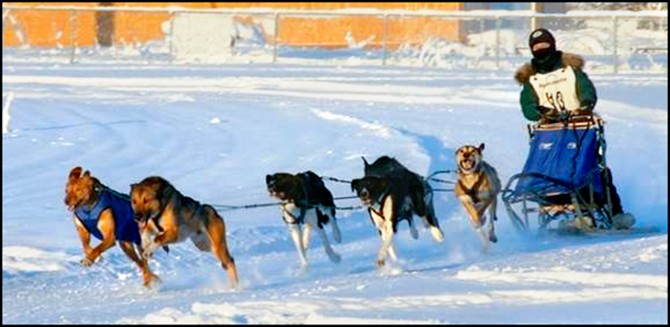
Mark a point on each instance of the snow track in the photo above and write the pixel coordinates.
(215, 132)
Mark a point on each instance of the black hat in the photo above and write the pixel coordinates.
(541, 35)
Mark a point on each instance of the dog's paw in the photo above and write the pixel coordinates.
(150, 249)
(304, 266)
(492, 237)
(147, 254)
(337, 237)
(414, 233)
(380, 263)
(334, 257)
(86, 262)
(437, 234)
(151, 281)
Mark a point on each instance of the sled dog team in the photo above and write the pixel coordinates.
(156, 215)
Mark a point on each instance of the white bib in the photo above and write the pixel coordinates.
(557, 89)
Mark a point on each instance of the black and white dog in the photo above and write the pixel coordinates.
(307, 204)
(421, 193)
(393, 193)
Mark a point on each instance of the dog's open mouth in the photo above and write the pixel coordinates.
(73, 206)
(276, 194)
(366, 200)
(467, 164)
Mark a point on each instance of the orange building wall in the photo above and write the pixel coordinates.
(40, 27)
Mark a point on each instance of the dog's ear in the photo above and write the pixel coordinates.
(75, 173)
(365, 162)
(481, 148)
(87, 174)
(267, 179)
(354, 184)
(133, 186)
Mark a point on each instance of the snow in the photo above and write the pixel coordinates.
(6, 105)
(216, 131)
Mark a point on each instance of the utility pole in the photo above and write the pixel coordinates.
(534, 7)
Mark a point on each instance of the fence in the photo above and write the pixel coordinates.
(610, 41)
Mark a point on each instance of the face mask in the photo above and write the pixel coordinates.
(542, 53)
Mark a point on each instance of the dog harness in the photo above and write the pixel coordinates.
(303, 208)
(382, 200)
(292, 219)
(472, 192)
(125, 228)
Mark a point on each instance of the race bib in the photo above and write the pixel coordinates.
(556, 89)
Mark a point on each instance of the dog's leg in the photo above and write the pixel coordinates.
(384, 224)
(429, 218)
(392, 253)
(430, 221)
(306, 229)
(128, 249)
(483, 237)
(294, 230)
(492, 219)
(147, 232)
(84, 236)
(476, 219)
(169, 235)
(312, 219)
(334, 257)
(387, 239)
(216, 230)
(489, 203)
(412, 228)
(473, 212)
(149, 277)
(436, 232)
(106, 225)
(337, 236)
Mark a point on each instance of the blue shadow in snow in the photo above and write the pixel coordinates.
(441, 158)
(83, 124)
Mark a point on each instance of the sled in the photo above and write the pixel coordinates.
(564, 182)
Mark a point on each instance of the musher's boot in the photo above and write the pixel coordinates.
(624, 220)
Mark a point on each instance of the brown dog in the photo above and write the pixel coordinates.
(171, 217)
(105, 214)
(477, 188)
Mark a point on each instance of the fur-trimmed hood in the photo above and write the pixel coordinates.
(568, 59)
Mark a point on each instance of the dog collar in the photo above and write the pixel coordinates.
(381, 200)
(296, 220)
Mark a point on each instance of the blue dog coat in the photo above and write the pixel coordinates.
(126, 229)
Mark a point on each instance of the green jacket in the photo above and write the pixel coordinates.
(586, 92)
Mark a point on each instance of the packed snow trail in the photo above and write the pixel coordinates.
(215, 132)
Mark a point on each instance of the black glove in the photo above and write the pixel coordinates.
(548, 114)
